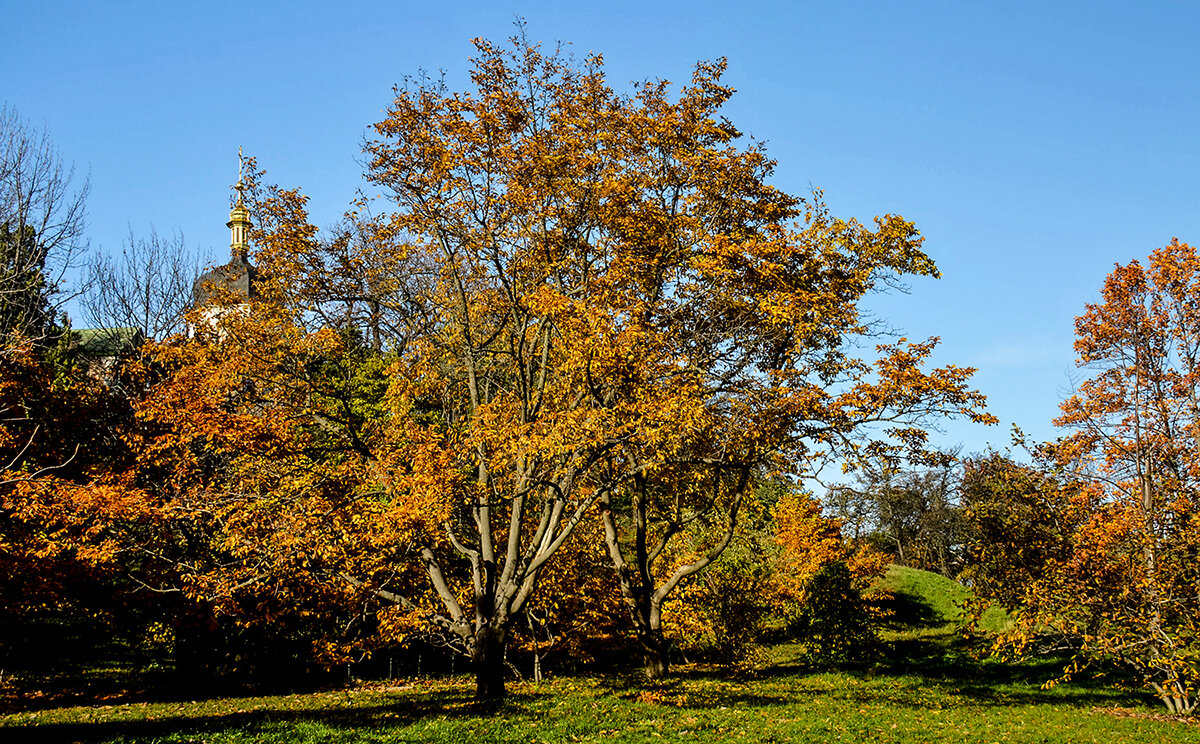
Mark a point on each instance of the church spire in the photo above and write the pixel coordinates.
(237, 280)
(239, 218)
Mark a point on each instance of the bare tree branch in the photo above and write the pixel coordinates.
(42, 220)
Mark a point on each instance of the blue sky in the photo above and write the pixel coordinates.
(1034, 144)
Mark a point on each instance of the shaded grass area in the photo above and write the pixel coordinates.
(114, 683)
(782, 705)
(926, 685)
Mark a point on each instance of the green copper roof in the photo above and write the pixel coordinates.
(107, 342)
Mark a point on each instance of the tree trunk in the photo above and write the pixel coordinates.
(655, 647)
(537, 648)
(488, 658)
(1178, 700)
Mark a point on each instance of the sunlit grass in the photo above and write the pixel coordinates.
(698, 706)
(925, 685)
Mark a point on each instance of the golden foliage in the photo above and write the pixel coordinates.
(808, 541)
(574, 297)
(1117, 575)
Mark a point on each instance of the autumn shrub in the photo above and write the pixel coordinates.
(835, 623)
(1102, 533)
(722, 613)
(807, 542)
(65, 511)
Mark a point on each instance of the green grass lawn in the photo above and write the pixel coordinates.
(926, 687)
(782, 705)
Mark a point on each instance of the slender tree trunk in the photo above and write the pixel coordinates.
(638, 586)
(488, 658)
(537, 648)
(647, 619)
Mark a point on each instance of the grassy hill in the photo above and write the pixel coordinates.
(926, 599)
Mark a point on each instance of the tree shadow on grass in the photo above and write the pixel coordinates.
(962, 681)
(905, 611)
(405, 710)
(679, 690)
(81, 685)
(937, 656)
(946, 659)
(912, 672)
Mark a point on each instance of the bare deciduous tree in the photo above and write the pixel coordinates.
(147, 286)
(42, 220)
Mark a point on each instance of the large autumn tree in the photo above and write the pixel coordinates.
(1116, 545)
(577, 303)
(621, 310)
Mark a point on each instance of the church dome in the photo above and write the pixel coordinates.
(238, 279)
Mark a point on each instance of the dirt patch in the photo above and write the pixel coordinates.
(1134, 713)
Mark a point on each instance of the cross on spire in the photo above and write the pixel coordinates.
(241, 183)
